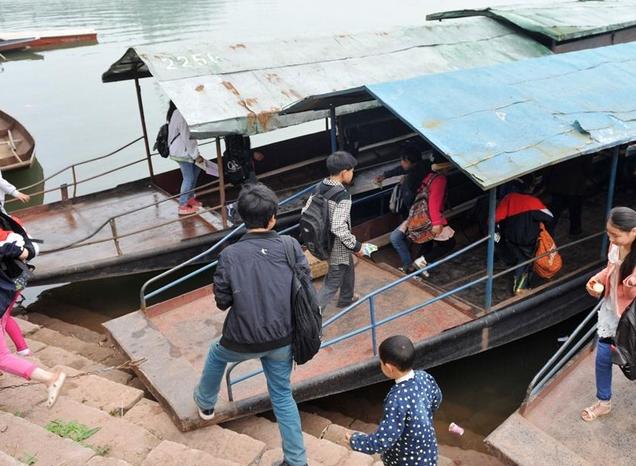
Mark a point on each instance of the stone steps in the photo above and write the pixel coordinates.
(135, 430)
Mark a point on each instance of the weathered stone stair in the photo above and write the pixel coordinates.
(134, 430)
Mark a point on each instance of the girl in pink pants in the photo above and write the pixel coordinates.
(9, 362)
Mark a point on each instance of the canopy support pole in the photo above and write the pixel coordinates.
(490, 259)
(143, 127)
(219, 162)
(332, 118)
(610, 197)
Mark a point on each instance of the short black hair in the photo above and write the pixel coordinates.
(339, 161)
(398, 351)
(256, 205)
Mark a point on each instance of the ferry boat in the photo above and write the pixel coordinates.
(494, 124)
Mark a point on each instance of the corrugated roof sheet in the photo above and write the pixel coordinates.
(559, 21)
(240, 88)
(501, 122)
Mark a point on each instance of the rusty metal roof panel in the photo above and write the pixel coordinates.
(559, 21)
(501, 122)
(241, 88)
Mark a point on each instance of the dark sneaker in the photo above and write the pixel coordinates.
(353, 299)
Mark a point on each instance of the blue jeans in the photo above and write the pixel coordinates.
(277, 366)
(402, 246)
(190, 174)
(603, 371)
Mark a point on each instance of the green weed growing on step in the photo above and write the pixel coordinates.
(28, 459)
(73, 430)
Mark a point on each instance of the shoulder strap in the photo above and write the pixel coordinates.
(288, 246)
(333, 191)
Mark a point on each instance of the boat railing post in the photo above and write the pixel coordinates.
(490, 260)
(140, 104)
(332, 121)
(64, 191)
(374, 336)
(610, 197)
(113, 229)
(219, 163)
(74, 180)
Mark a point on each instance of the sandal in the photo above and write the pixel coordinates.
(598, 409)
(54, 389)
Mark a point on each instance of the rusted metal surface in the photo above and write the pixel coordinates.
(561, 21)
(223, 88)
(501, 122)
(551, 426)
(17, 147)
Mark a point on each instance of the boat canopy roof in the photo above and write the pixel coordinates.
(242, 87)
(500, 122)
(559, 21)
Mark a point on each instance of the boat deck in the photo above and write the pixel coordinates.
(551, 431)
(173, 338)
(64, 223)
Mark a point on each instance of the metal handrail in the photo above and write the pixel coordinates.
(212, 264)
(561, 357)
(72, 168)
(142, 292)
(370, 297)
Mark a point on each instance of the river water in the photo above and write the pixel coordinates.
(58, 95)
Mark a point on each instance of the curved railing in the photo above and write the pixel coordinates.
(64, 187)
(143, 297)
(567, 350)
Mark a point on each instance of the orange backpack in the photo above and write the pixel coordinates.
(548, 265)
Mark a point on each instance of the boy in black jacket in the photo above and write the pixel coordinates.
(253, 280)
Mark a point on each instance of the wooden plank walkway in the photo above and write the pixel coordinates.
(551, 430)
(174, 337)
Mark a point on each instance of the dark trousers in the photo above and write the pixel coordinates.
(435, 250)
(516, 254)
(574, 204)
(339, 277)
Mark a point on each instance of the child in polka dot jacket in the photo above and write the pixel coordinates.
(406, 435)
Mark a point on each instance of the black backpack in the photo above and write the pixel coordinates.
(315, 227)
(306, 315)
(161, 143)
(625, 341)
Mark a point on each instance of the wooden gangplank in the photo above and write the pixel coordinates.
(550, 430)
(173, 337)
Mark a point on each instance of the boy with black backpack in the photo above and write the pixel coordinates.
(254, 282)
(334, 241)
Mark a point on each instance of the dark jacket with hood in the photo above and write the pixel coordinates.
(253, 280)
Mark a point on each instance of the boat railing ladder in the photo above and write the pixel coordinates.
(370, 298)
(579, 337)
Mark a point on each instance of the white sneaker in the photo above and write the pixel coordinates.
(420, 263)
(24, 352)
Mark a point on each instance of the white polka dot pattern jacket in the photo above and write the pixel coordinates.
(406, 435)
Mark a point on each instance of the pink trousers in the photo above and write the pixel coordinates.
(9, 362)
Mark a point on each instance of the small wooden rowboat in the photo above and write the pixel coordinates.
(38, 40)
(17, 147)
